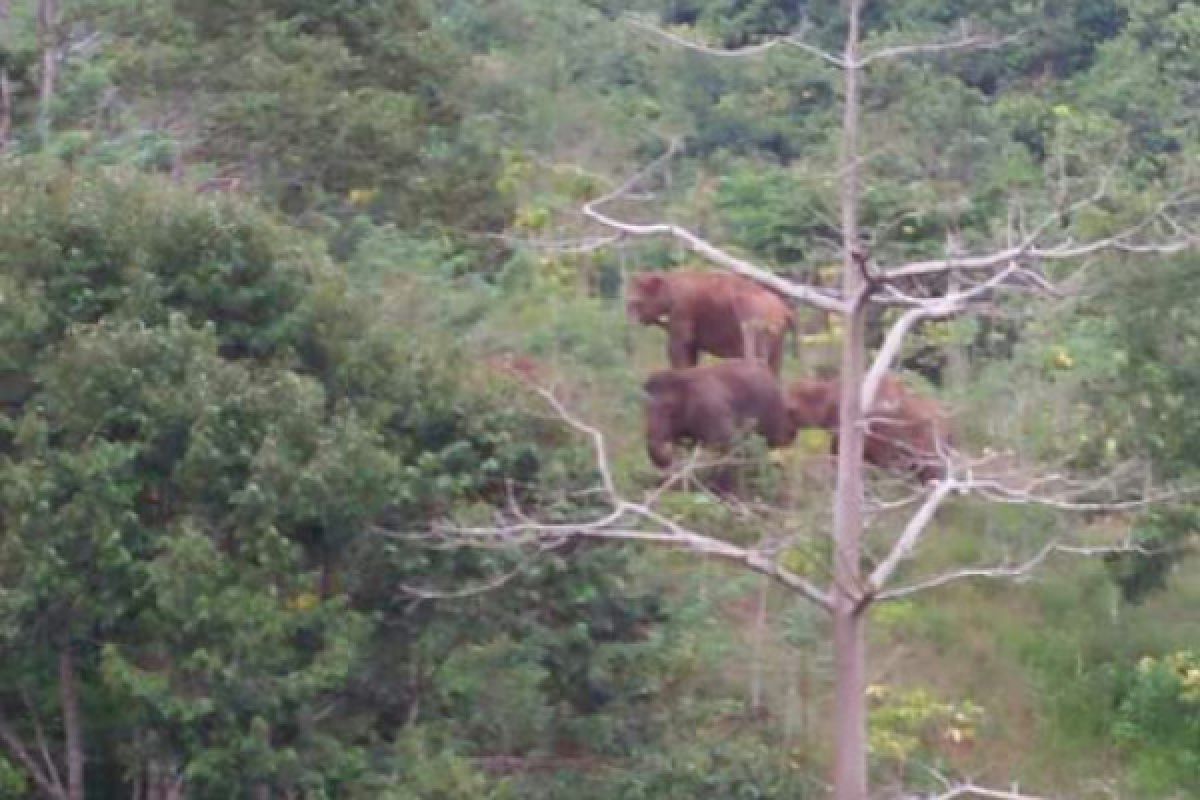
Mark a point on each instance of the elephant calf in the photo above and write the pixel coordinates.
(904, 431)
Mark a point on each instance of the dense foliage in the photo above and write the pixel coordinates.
(202, 426)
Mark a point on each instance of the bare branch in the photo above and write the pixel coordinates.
(964, 42)
(1051, 491)
(793, 40)
(958, 302)
(1038, 493)
(678, 477)
(1027, 250)
(1019, 571)
(795, 291)
(935, 308)
(913, 531)
(971, 790)
(690, 44)
(836, 61)
(17, 749)
(677, 536)
(613, 525)
(598, 443)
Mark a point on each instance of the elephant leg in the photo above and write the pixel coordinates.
(681, 347)
(775, 355)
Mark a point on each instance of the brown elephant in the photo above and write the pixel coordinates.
(711, 405)
(721, 314)
(905, 431)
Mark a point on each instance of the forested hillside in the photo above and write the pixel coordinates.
(323, 463)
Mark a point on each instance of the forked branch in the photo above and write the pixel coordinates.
(793, 40)
(631, 521)
(48, 780)
(1028, 250)
(624, 520)
(1051, 491)
(933, 308)
(917, 525)
(1016, 571)
(966, 41)
(972, 790)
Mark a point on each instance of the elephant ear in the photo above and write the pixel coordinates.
(662, 384)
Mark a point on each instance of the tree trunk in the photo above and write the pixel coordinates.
(47, 28)
(46, 781)
(5, 84)
(760, 635)
(72, 725)
(849, 641)
(5, 109)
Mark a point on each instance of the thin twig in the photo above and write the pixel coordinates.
(917, 525)
(1027, 250)
(1019, 572)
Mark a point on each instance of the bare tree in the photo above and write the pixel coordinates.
(623, 519)
(853, 588)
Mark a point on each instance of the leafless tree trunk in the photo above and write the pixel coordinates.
(47, 29)
(849, 628)
(72, 724)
